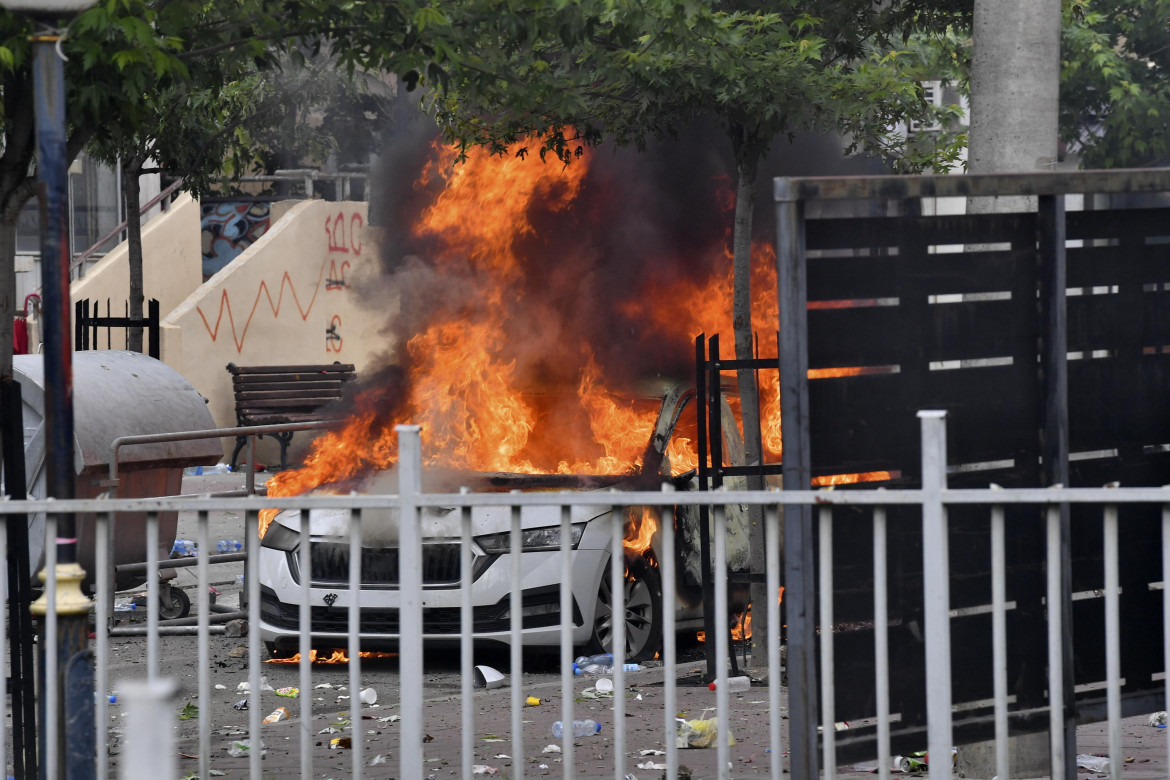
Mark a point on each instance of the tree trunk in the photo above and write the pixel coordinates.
(1015, 88)
(745, 201)
(132, 189)
(9, 306)
(15, 190)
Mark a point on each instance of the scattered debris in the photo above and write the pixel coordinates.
(220, 687)
(701, 732)
(240, 747)
(1159, 718)
(236, 628)
(368, 696)
(597, 693)
(487, 677)
(652, 752)
(532, 701)
(552, 749)
(378, 759)
(288, 693)
(277, 715)
(189, 711)
(341, 742)
(242, 704)
(484, 769)
(1093, 763)
(246, 687)
(238, 652)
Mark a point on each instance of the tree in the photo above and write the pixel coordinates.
(579, 73)
(1115, 82)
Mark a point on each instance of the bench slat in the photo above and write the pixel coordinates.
(304, 384)
(260, 396)
(328, 368)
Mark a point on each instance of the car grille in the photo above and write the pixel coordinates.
(437, 620)
(440, 564)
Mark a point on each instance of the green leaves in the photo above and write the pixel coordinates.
(632, 70)
(1115, 81)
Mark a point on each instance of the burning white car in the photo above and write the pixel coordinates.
(282, 564)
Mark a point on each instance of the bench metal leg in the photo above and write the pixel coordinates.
(240, 442)
(284, 439)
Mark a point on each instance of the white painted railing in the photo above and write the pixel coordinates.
(934, 497)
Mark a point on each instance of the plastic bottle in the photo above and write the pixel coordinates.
(183, 548)
(734, 684)
(602, 663)
(228, 545)
(581, 728)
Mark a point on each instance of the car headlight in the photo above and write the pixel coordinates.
(280, 537)
(531, 540)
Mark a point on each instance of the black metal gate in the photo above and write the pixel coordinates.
(89, 323)
(1045, 335)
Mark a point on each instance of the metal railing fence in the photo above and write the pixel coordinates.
(933, 498)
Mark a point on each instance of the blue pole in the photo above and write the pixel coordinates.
(53, 191)
(68, 740)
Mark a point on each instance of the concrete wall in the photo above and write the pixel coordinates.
(171, 261)
(290, 298)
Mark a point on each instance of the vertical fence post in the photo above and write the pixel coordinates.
(799, 563)
(410, 605)
(828, 662)
(149, 729)
(1053, 311)
(936, 595)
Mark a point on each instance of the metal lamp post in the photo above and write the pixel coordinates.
(64, 618)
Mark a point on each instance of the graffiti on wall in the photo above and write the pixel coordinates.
(342, 239)
(228, 229)
(343, 231)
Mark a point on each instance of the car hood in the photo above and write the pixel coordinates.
(438, 523)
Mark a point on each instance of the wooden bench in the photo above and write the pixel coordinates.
(273, 395)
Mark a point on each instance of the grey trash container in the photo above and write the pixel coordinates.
(116, 393)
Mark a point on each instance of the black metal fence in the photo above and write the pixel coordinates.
(89, 324)
(1045, 335)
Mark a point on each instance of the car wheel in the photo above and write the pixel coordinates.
(643, 612)
(174, 603)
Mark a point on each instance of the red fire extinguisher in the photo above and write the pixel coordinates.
(20, 327)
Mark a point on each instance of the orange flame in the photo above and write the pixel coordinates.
(338, 657)
(641, 529)
(463, 380)
(852, 479)
(743, 626)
